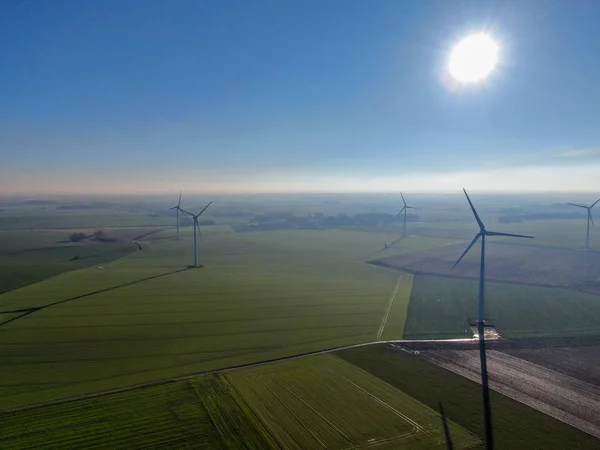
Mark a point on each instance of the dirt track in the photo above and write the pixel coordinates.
(561, 396)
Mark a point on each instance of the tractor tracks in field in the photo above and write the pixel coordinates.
(22, 313)
(468, 342)
(389, 307)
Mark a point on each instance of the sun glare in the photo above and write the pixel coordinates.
(473, 58)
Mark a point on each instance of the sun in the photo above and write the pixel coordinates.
(473, 58)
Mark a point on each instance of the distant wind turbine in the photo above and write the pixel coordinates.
(177, 208)
(404, 209)
(483, 233)
(589, 219)
(316, 222)
(196, 230)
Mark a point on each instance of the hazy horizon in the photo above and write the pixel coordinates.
(232, 97)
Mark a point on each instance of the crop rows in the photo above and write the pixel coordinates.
(167, 416)
(326, 402)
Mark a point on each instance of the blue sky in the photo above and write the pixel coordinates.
(297, 95)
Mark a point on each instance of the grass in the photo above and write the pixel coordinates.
(314, 402)
(145, 318)
(439, 308)
(203, 412)
(516, 426)
(32, 266)
(27, 257)
(325, 402)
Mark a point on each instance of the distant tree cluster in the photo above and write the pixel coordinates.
(282, 221)
(515, 218)
(76, 237)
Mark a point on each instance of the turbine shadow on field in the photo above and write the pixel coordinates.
(386, 246)
(25, 312)
(396, 241)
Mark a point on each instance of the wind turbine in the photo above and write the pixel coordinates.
(483, 233)
(316, 222)
(404, 209)
(177, 208)
(196, 228)
(589, 219)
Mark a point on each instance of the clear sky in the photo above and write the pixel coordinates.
(311, 95)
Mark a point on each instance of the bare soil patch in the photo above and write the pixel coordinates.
(561, 396)
(577, 362)
(524, 264)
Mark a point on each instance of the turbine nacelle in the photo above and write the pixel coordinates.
(483, 231)
(589, 218)
(196, 224)
(177, 208)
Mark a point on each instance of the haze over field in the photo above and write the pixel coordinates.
(232, 96)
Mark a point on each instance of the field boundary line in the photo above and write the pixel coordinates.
(245, 405)
(469, 342)
(309, 406)
(225, 370)
(389, 307)
(416, 426)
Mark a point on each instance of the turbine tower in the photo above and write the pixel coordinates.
(177, 208)
(589, 219)
(196, 229)
(404, 209)
(483, 233)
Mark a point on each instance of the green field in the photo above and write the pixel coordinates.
(516, 426)
(315, 402)
(201, 412)
(324, 402)
(86, 318)
(146, 317)
(439, 308)
(25, 266)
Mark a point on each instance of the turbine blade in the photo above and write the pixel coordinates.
(412, 207)
(185, 212)
(179, 202)
(477, 236)
(403, 201)
(200, 213)
(591, 217)
(579, 206)
(594, 204)
(198, 229)
(479, 222)
(174, 207)
(496, 233)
